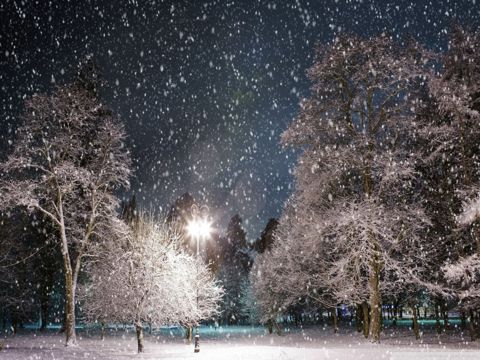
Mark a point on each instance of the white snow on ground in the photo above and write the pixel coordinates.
(244, 343)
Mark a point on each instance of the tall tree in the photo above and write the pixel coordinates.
(454, 139)
(67, 160)
(355, 179)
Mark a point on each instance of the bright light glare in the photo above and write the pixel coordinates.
(199, 228)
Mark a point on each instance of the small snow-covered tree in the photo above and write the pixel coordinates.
(354, 206)
(299, 270)
(67, 160)
(145, 277)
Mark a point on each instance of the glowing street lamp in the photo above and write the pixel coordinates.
(198, 228)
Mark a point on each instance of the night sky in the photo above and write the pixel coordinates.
(205, 88)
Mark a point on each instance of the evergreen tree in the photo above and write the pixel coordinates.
(265, 241)
(234, 270)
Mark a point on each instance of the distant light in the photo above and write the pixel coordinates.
(201, 228)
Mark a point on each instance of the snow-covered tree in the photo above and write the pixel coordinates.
(67, 160)
(293, 271)
(354, 207)
(145, 277)
(452, 134)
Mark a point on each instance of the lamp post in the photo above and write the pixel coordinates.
(198, 227)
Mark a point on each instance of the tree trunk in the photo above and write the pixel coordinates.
(437, 320)
(366, 319)
(139, 330)
(270, 326)
(374, 262)
(70, 310)
(335, 320)
(445, 317)
(395, 314)
(375, 302)
(4, 320)
(463, 319)
(14, 325)
(43, 315)
(70, 285)
(381, 317)
(415, 327)
(471, 326)
(358, 318)
(188, 334)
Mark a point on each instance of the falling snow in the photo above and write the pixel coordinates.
(328, 150)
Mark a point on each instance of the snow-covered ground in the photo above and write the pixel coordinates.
(244, 343)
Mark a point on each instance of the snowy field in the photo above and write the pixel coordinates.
(244, 343)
